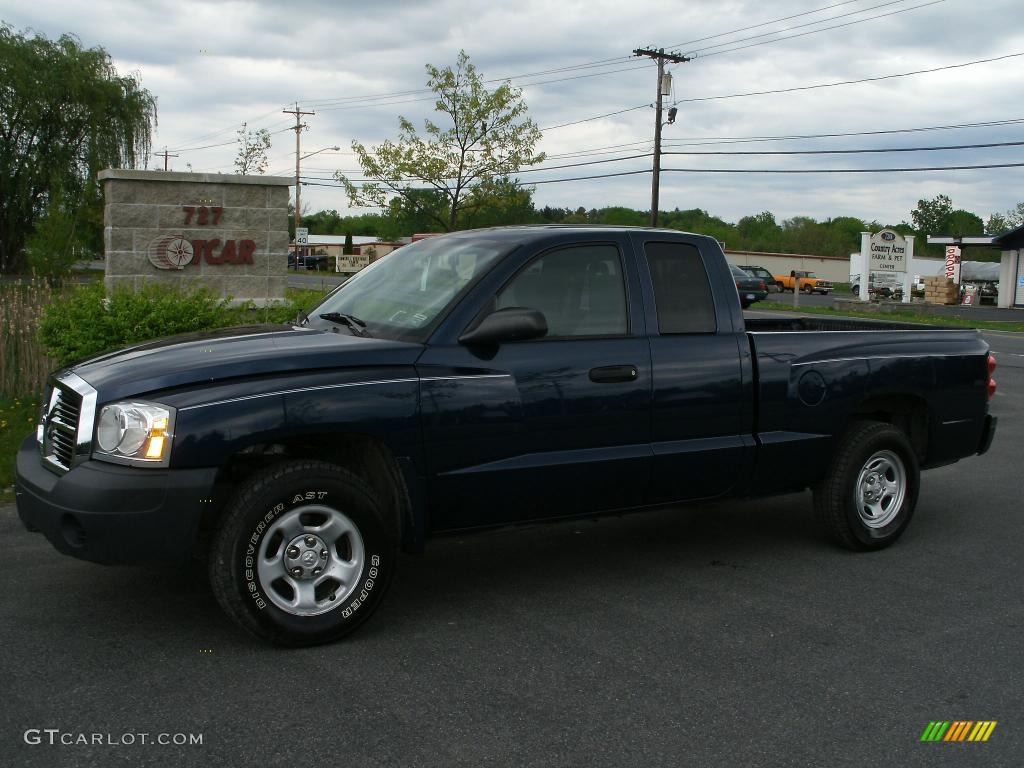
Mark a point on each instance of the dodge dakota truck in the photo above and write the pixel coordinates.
(486, 378)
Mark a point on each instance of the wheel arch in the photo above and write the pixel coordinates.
(907, 412)
(366, 456)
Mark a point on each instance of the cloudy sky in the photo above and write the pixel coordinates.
(359, 65)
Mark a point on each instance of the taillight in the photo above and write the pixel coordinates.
(991, 370)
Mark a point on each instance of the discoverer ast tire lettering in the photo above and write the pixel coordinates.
(482, 379)
(302, 555)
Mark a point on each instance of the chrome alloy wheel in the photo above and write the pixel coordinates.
(881, 488)
(310, 560)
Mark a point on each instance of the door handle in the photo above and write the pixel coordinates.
(610, 374)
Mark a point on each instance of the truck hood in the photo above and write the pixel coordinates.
(234, 353)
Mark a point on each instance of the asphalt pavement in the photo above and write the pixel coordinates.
(728, 634)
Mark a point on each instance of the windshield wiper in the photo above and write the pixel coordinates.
(353, 323)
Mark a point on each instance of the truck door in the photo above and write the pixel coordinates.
(550, 426)
(702, 394)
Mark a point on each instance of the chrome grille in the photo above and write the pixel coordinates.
(67, 423)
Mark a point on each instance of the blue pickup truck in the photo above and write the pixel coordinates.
(486, 378)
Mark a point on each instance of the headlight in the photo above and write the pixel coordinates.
(135, 433)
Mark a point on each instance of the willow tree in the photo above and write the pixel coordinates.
(65, 113)
(485, 137)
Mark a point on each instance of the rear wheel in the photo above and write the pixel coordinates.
(303, 554)
(868, 496)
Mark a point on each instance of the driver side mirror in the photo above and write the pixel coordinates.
(509, 324)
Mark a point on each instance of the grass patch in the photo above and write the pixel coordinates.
(908, 316)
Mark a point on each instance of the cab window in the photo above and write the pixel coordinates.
(580, 290)
(682, 292)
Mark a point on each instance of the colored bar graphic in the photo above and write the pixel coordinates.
(935, 731)
(958, 730)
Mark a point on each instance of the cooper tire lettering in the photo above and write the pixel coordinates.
(277, 512)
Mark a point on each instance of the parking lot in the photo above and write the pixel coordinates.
(724, 634)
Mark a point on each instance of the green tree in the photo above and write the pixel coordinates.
(931, 217)
(252, 150)
(499, 202)
(759, 233)
(622, 216)
(348, 249)
(938, 217)
(999, 223)
(65, 113)
(487, 137)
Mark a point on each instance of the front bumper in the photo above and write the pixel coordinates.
(109, 513)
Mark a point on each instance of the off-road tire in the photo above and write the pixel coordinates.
(874, 462)
(286, 502)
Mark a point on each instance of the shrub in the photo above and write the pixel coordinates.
(86, 323)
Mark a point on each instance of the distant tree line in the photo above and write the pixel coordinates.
(838, 236)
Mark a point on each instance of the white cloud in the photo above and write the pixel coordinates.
(337, 55)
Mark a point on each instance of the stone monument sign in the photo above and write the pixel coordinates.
(224, 232)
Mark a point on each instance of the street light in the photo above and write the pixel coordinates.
(298, 188)
(298, 194)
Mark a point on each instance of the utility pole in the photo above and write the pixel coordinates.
(299, 125)
(661, 57)
(165, 154)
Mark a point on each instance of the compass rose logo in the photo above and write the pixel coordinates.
(174, 252)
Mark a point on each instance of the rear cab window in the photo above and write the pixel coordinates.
(682, 291)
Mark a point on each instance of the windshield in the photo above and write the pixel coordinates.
(402, 295)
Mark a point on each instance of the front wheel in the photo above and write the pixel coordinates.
(303, 554)
(868, 496)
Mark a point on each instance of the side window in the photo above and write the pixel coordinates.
(579, 289)
(681, 289)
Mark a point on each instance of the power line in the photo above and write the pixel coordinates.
(568, 68)
(762, 24)
(714, 140)
(711, 140)
(696, 51)
(224, 144)
(732, 170)
(850, 82)
(840, 170)
(855, 151)
(596, 117)
(823, 29)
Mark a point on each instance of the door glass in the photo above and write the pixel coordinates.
(580, 290)
(681, 289)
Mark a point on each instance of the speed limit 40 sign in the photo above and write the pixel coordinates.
(301, 236)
